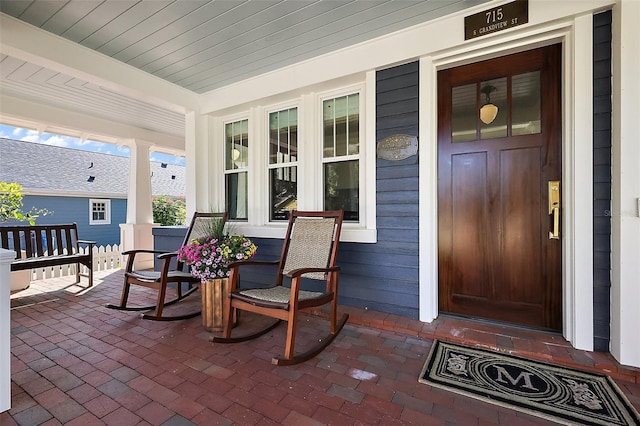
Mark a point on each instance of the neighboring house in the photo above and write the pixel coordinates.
(85, 187)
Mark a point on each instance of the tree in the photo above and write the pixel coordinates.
(11, 205)
(169, 211)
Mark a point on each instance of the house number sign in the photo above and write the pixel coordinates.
(497, 19)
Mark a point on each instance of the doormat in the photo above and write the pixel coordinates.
(552, 392)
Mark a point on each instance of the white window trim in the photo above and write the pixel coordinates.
(321, 160)
(310, 161)
(364, 230)
(107, 213)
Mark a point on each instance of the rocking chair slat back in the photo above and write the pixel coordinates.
(310, 245)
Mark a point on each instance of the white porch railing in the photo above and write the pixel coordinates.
(104, 258)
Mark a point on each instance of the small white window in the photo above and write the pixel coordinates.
(99, 212)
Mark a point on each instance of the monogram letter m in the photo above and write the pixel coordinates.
(525, 376)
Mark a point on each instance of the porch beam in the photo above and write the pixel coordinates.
(26, 42)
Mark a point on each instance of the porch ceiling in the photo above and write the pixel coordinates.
(192, 46)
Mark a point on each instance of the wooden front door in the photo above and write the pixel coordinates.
(497, 259)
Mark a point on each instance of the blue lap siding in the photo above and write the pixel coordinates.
(76, 209)
(601, 179)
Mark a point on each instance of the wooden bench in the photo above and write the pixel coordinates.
(40, 246)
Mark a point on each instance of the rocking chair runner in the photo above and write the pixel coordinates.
(160, 279)
(310, 250)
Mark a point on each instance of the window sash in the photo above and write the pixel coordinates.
(99, 212)
(341, 159)
(283, 136)
(237, 145)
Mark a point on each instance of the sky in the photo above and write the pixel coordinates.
(28, 135)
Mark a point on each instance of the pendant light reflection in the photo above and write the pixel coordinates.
(489, 111)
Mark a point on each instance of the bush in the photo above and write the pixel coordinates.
(169, 211)
(11, 205)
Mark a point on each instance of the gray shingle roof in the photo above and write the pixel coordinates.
(52, 169)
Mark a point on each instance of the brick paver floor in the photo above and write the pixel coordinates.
(75, 362)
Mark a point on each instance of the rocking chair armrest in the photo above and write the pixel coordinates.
(136, 251)
(165, 255)
(89, 243)
(297, 272)
(251, 262)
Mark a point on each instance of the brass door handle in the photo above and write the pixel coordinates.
(554, 208)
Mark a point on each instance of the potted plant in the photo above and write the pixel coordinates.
(207, 257)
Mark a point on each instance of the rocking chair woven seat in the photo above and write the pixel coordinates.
(309, 251)
(160, 279)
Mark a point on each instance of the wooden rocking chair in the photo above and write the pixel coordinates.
(160, 279)
(309, 251)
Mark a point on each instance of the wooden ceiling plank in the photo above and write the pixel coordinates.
(39, 12)
(8, 65)
(324, 39)
(42, 75)
(137, 53)
(69, 15)
(24, 71)
(13, 7)
(96, 19)
(214, 31)
(322, 33)
(124, 21)
(163, 20)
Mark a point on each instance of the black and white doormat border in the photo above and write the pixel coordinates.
(553, 392)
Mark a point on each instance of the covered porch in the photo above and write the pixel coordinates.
(75, 362)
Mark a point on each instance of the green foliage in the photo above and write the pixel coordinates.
(11, 205)
(169, 211)
(213, 227)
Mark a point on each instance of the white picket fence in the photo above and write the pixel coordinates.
(104, 258)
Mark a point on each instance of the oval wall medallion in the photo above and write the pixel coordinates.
(397, 147)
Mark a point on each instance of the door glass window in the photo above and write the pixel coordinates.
(493, 108)
(525, 95)
(464, 113)
(485, 107)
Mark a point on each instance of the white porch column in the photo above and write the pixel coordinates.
(6, 257)
(625, 220)
(199, 183)
(136, 233)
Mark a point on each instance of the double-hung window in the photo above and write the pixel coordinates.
(236, 167)
(341, 154)
(99, 211)
(283, 163)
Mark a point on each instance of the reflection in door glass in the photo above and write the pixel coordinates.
(463, 113)
(525, 101)
(493, 98)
